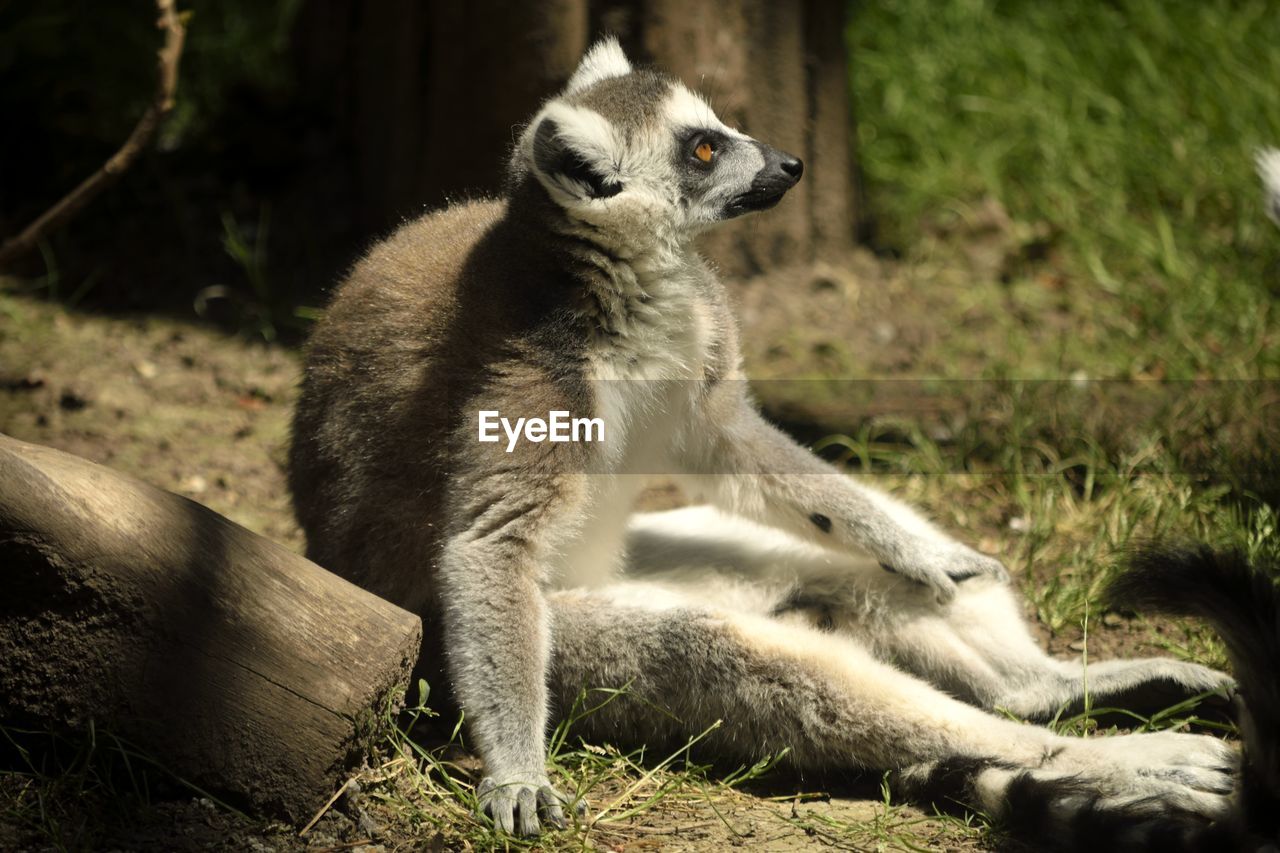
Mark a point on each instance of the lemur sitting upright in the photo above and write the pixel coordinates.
(803, 608)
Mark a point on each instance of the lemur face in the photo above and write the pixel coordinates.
(637, 156)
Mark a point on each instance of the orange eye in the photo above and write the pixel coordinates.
(704, 151)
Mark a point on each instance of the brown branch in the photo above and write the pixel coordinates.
(161, 104)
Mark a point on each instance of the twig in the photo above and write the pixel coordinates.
(70, 204)
(338, 793)
(663, 830)
(346, 845)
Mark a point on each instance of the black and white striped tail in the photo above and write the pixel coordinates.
(1242, 604)
(1056, 810)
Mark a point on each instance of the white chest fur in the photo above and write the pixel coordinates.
(644, 377)
(644, 380)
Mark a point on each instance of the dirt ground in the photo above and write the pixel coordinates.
(205, 414)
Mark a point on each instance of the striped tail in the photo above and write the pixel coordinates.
(1060, 811)
(1242, 604)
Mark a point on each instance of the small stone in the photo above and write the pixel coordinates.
(195, 485)
(368, 825)
(321, 839)
(1076, 645)
(1112, 620)
(1019, 524)
(146, 369)
(71, 401)
(30, 382)
(940, 433)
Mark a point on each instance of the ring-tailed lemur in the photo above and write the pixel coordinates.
(771, 608)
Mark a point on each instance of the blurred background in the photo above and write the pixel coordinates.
(1098, 156)
(1027, 282)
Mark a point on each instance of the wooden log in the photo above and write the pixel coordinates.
(237, 664)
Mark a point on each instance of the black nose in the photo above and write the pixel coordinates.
(792, 166)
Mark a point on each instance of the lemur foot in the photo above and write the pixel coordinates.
(940, 566)
(1158, 772)
(514, 806)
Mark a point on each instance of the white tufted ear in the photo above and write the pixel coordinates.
(605, 59)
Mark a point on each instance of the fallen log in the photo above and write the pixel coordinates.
(237, 664)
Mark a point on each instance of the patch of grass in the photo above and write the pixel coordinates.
(894, 826)
(1060, 479)
(68, 790)
(260, 310)
(51, 284)
(1118, 137)
(427, 792)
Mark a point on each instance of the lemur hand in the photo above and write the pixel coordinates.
(507, 802)
(943, 564)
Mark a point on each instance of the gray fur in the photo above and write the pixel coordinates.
(580, 291)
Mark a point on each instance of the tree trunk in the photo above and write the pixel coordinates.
(237, 664)
(426, 96)
(776, 71)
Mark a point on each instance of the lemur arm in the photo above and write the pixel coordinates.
(747, 466)
(497, 638)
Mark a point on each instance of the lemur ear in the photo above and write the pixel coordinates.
(557, 159)
(604, 60)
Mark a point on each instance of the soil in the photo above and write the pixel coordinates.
(183, 407)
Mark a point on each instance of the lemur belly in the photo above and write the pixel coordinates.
(643, 424)
(591, 555)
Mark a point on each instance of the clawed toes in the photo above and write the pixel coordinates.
(523, 809)
(551, 803)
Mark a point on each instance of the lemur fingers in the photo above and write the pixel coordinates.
(942, 565)
(514, 807)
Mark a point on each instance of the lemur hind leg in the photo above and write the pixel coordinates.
(980, 648)
(977, 648)
(832, 704)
